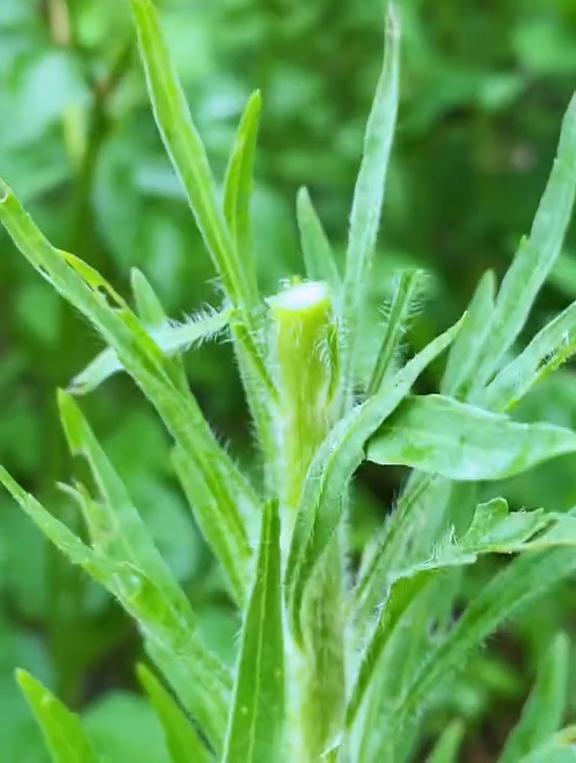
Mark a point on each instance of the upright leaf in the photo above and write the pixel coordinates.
(407, 286)
(238, 184)
(182, 739)
(65, 737)
(257, 713)
(369, 194)
(186, 150)
(440, 435)
(464, 354)
(319, 261)
(448, 745)
(550, 348)
(544, 710)
(536, 255)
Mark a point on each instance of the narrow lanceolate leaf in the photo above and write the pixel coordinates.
(320, 509)
(238, 184)
(116, 528)
(544, 711)
(188, 155)
(172, 338)
(228, 540)
(407, 287)
(158, 376)
(169, 630)
(63, 732)
(549, 349)
(448, 745)
(465, 352)
(536, 255)
(319, 261)
(182, 739)
(369, 193)
(526, 578)
(148, 306)
(257, 713)
(440, 435)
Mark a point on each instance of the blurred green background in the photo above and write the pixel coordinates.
(484, 88)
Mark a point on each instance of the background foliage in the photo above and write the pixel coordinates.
(484, 87)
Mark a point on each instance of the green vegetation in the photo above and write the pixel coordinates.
(254, 601)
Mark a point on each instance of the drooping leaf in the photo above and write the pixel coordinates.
(63, 732)
(320, 510)
(536, 255)
(319, 261)
(257, 713)
(182, 739)
(369, 193)
(544, 710)
(463, 442)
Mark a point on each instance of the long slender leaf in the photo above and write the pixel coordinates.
(158, 376)
(182, 739)
(536, 255)
(543, 713)
(527, 577)
(369, 194)
(462, 442)
(320, 510)
(549, 349)
(172, 338)
(464, 354)
(65, 737)
(185, 148)
(257, 713)
(238, 184)
(408, 285)
(148, 306)
(493, 530)
(319, 259)
(448, 744)
(169, 628)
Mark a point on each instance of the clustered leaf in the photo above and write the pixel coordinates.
(328, 666)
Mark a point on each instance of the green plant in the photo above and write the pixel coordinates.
(331, 664)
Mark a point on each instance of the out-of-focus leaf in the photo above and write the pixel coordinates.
(182, 740)
(447, 747)
(65, 737)
(544, 710)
